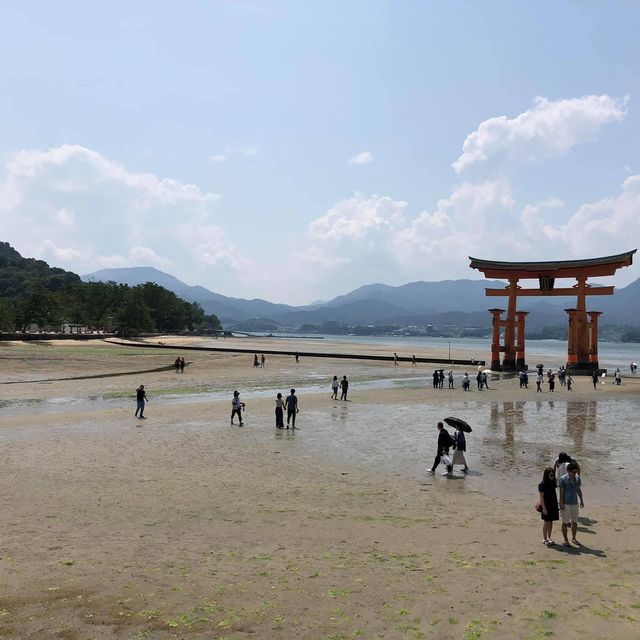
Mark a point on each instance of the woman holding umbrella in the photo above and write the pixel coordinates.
(459, 441)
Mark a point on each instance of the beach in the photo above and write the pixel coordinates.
(181, 526)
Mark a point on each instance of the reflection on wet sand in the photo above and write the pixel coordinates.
(580, 416)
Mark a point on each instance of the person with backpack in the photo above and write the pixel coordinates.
(445, 442)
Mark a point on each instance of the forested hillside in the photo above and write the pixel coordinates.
(32, 292)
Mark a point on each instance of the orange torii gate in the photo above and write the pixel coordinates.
(582, 351)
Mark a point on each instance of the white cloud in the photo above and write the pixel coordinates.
(364, 157)
(144, 256)
(66, 217)
(355, 218)
(548, 129)
(78, 209)
(608, 226)
(218, 157)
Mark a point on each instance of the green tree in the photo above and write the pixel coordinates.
(134, 317)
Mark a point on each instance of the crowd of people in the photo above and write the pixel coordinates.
(560, 490)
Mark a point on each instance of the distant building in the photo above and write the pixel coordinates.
(70, 327)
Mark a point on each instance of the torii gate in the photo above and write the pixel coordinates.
(582, 351)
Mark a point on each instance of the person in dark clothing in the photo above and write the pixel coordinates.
(549, 504)
(441, 379)
(279, 412)
(436, 379)
(344, 386)
(479, 380)
(594, 379)
(141, 398)
(291, 405)
(183, 364)
(444, 442)
(176, 364)
(236, 407)
(255, 360)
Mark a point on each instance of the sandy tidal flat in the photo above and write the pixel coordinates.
(181, 526)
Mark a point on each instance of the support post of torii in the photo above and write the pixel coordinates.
(582, 347)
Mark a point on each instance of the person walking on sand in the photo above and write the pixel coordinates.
(335, 385)
(297, 358)
(539, 379)
(570, 490)
(279, 412)
(344, 386)
(444, 442)
(176, 364)
(569, 382)
(237, 407)
(183, 364)
(548, 504)
(255, 360)
(413, 360)
(395, 359)
(141, 398)
(291, 405)
(466, 383)
(594, 379)
(459, 447)
(262, 360)
(450, 376)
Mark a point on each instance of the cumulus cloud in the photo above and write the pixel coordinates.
(78, 209)
(355, 218)
(607, 226)
(364, 157)
(549, 129)
(375, 237)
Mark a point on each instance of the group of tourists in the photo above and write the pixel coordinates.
(438, 379)
(563, 477)
(179, 364)
(563, 376)
(288, 404)
(258, 363)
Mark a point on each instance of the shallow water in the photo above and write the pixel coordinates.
(511, 443)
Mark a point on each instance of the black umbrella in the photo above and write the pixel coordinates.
(459, 424)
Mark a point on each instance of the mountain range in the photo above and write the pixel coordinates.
(447, 302)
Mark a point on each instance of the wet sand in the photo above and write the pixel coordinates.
(180, 526)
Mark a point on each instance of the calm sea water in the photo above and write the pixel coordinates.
(552, 352)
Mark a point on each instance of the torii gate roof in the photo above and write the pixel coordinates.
(591, 267)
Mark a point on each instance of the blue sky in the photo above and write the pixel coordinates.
(297, 150)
